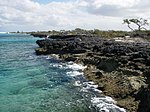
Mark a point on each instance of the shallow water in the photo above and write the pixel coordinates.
(30, 83)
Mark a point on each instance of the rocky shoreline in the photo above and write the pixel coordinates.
(121, 69)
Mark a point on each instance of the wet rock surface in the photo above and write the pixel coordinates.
(122, 70)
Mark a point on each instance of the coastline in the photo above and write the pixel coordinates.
(79, 73)
(118, 69)
(105, 83)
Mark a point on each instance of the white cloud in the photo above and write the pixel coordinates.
(103, 14)
(120, 8)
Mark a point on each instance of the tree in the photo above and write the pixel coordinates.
(140, 23)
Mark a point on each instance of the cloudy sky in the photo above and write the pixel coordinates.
(36, 15)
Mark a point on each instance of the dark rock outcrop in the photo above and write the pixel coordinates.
(122, 70)
(64, 45)
(41, 35)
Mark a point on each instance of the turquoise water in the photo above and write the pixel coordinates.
(31, 83)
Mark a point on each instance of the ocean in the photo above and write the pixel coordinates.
(31, 83)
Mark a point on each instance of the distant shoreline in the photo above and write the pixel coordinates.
(4, 32)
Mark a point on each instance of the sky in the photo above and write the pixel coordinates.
(45, 15)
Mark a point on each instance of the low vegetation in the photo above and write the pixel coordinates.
(137, 27)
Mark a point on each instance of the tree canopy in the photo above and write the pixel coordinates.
(140, 23)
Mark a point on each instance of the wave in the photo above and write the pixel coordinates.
(89, 88)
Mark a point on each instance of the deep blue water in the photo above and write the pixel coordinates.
(31, 83)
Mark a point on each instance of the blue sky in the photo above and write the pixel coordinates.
(36, 15)
(44, 1)
(48, 1)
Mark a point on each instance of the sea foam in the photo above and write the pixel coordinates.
(106, 104)
(100, 102)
